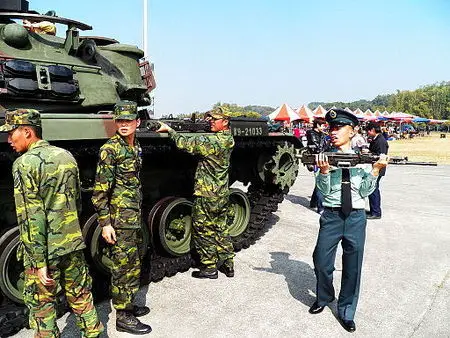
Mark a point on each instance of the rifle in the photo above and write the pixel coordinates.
(341, 160)
(191, 125)
(404, 160)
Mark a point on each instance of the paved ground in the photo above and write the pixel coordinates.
(405, 284)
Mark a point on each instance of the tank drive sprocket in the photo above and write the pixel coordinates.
(285, 165)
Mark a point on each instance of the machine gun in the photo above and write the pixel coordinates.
(191, 125)
(404, 160)
(341, 160)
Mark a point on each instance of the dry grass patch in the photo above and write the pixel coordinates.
(423, 149)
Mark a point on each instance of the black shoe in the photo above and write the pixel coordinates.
(205, 273)
(227, 268)
(127, 322)
(348, 325)
(373, 217)
(315, 308)
(139, 311)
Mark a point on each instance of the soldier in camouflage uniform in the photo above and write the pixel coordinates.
(209, 213)
(47, 196)
(117, 199)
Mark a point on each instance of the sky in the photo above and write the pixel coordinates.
(269, 52)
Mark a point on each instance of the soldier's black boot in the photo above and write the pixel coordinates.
(209, 273)
(227, 268)
(127, 322)
(139, 311)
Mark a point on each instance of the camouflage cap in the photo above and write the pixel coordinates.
(218, 113)
(125, 110)
(21, 117)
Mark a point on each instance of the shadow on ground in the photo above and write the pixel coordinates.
(299, 276)
(103, 310)
(300, 200)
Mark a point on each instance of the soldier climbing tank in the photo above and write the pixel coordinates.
(74, 81)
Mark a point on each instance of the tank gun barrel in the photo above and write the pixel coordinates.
(38, 17)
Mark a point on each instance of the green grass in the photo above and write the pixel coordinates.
(430, 148)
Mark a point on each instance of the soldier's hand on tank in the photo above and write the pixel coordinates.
(43, 276)
(164, 128)
(322, 163)
(109, 234)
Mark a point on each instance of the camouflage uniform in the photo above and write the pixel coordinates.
(209, 214)
(47, 196)
(117, 199)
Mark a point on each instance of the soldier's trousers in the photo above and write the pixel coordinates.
(210, 230)
(126, 271)
(351, 230)
(70, 272)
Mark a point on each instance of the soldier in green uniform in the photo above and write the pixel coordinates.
(117, 199)
(47, 196)
(209, 214)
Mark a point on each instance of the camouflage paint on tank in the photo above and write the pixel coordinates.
(102, 81)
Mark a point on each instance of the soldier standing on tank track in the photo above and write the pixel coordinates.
(117, 199)
(47, 197)
(209, 214)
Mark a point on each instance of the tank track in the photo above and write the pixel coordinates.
(262, 202)
(12, 318)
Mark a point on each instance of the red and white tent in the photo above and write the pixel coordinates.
(402, 117)
(284, 113)
(358, 113)
(305, 113)
(319, 111)
(348, 109)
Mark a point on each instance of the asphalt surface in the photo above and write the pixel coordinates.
(405, 289)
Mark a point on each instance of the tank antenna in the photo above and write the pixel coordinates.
(145, 29)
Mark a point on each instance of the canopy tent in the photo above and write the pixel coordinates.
(284, 113)
(368, 112)
(348, 109)
(402, 117)
(377, 113)
(359, 114)
(319, 111)
(305, 113)
(418, 119)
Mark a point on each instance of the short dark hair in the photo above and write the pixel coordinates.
(318, 122)
(37, 130)
(373, 125)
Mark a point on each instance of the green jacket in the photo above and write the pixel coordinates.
(47, 196)
(117, 186)
(212, 174)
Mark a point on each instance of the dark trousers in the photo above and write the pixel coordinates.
(351, 231)
(316, 199)
(375, 200)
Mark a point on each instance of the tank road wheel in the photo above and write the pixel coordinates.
(282, 168)
(98, 248)
(171, 217)
(11, 270)
(238, 212)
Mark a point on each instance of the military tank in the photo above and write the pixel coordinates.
(74, 81)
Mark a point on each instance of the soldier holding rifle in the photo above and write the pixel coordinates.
(343, 220)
